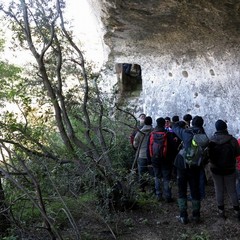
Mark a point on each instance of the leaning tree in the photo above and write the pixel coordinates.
(61, 117)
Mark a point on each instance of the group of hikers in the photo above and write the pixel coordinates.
(180, 149)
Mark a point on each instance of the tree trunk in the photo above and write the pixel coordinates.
(4, 218)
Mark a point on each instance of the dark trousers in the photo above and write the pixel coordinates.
(202, 183)
(162, 176)
(144, 168)
(191, 176)
(228, 182)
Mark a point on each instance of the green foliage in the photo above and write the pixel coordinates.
(26, 213)
(2, 41)
(10, 82)
(144, 200)
(129, 223)
(201, 236)
(76, 205)
(122, 153)
(10, 238)
(195, 236)
(64, 141)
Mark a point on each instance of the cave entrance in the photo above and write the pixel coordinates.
(129, 77)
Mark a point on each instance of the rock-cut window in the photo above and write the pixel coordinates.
(129, 76)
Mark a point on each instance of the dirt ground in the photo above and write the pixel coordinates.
(158, 221)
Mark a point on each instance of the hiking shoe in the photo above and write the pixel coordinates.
(183, 220)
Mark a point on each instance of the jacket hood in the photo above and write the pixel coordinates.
(221, 137)
(195, 130)
(146, 128)
(159, 129)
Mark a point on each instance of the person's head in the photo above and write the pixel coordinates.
(182, 124)
(220, 125)
(160, 122)
(175, 118)
(141, 118)
(197, 121)
(167, 121)
(148, 120)
(187, 118)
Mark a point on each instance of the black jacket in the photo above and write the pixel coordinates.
(221, 137)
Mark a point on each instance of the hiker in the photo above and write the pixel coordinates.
(141, 118)
(187, 118)
(175, 147)
(157, 152)
(175, 119)
(203, 178)
(168, 124)
(189, 172)
(238, 173)
(140, 143)
(223, 150)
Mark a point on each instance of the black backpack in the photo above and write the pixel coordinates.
(222, 155)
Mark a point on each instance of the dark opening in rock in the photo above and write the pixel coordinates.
(129, 77)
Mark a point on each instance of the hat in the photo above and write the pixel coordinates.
(197, 121)
(160, 122)
(148, 121)
(220, 125)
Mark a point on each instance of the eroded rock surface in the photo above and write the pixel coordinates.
(188, 52)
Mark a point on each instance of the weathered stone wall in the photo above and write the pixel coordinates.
(188, 51)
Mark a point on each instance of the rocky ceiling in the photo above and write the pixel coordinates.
(168, 23)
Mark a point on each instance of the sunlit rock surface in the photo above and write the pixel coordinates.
(189, 53)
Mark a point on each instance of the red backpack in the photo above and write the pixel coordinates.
(158, 145)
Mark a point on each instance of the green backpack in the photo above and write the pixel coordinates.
(194, 153)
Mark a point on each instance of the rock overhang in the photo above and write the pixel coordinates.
(188, 51)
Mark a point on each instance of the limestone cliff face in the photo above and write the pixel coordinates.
(189, 53)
